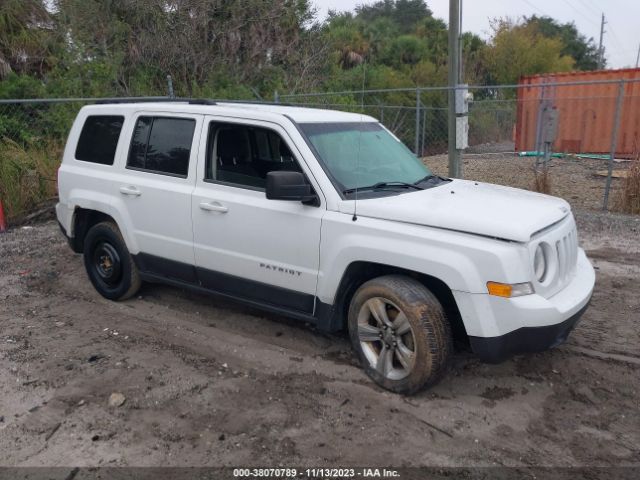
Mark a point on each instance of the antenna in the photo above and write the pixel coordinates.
(364, 76)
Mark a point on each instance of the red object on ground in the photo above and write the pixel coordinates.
(3, 223)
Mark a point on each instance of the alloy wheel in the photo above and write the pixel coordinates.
(386, 338)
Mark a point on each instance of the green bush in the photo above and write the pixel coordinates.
(27, 175)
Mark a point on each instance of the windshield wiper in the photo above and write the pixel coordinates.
(431, 176)
(381, 185)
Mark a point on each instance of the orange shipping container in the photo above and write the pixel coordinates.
(586, 111)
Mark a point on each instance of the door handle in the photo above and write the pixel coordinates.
(130, 191)
(214, 207)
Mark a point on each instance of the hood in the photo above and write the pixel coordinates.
(472, 207)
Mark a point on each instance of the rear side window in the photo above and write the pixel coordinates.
(99, 139)
(162, 145)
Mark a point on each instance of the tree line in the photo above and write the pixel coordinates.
(251, 48)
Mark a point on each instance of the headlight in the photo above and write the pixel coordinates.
(540, 263)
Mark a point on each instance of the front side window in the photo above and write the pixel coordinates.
(360, 155)
(99, 139)
(243, 155)
(162, 145)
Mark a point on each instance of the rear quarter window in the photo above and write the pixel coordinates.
(99, 139)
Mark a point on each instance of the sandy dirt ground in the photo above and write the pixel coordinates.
(208, 382)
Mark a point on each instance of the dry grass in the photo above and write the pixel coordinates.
(541, 179)
(27, 176)
(628, 198)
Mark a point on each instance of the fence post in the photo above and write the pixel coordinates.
(614, 142)
(417, 122)
(424, 126)
(545, 102)
(170, 86)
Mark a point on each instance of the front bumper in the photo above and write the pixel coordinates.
(524, 340)
(499, 327)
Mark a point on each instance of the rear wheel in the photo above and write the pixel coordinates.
(109, 264)
(400, 332)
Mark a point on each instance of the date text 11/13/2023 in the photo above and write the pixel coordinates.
(315, 473)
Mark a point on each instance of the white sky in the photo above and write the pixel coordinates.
(622, 32)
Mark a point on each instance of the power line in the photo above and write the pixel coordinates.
(620, 45)
(587, 5)
(535, 8)
(625, 51)
(595, 4)
(616, 39)
(620, 51)
(565, 1)
(572, 6)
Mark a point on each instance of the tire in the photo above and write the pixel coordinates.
(400, 332)
(109, 264)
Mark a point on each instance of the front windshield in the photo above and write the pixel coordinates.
(363, 154)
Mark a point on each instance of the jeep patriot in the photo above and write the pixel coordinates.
(324, 216)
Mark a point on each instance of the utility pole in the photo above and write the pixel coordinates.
(638, 57)
(460, 46)
(455, 165)
(600, 46)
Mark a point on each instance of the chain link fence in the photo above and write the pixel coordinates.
(589, 157)
(586, 157)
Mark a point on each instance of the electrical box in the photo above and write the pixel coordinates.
(462, 132)
(550, 120)
(463, 99)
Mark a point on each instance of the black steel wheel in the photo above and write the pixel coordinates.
(109, 264)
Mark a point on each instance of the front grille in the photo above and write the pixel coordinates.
(562, 238)
(567, 250)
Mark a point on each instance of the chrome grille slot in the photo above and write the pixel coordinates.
(574, 249)
(561, 260)
(567, 250)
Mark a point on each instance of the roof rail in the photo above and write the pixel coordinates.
(105, 101)
(200, 101)
(191, 101)
(254, 102)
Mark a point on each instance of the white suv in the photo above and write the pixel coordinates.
(323, 216)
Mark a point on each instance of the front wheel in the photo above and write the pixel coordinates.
(109, 264)
(400, 332)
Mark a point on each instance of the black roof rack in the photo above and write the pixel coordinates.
(106, 101)
(255, 102)
(201, 101)
(190, 101)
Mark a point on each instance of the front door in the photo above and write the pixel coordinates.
(245, 245)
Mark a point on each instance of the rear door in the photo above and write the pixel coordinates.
(155, 189)
(246, 245)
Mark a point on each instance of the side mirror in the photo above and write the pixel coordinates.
(284, 185)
